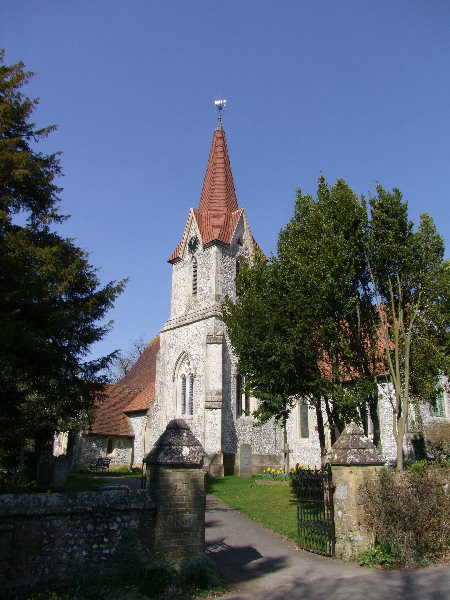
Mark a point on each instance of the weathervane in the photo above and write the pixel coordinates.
(220, 105)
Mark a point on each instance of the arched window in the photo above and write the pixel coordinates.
(184, 379)
(242, 398)
(303, 420)
(194, 277)
(191, 394)
(183, 394)
(110, 445)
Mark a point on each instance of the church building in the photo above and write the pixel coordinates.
(189, 370)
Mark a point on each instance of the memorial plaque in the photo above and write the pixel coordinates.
(245, 460)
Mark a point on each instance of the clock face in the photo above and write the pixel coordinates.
(193, 244)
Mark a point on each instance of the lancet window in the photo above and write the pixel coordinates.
(184, 377)
(242, 398)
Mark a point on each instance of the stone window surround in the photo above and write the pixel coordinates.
(303, 406)
(184, 378)
(110, 446)
(242, 399)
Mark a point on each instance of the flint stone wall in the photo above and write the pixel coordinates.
(42, 535)
(94, 446)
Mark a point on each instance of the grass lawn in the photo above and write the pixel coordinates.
(273, 506)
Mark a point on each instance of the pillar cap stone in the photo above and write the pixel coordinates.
(354, 448)
(176, 447)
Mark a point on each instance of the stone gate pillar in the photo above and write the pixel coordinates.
(176, 483)
(354, 460)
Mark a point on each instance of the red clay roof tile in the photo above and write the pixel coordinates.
(134, 392)
(143, 372)
(110, 418)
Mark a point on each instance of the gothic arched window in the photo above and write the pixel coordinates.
(184, 379)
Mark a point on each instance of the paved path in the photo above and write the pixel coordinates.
(260, 565)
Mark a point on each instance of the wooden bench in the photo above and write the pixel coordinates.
(101, 464)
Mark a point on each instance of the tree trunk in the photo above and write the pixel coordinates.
(373, 411)
(286, 447)
(321, 431)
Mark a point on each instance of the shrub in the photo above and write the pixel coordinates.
(409, 513)
(437, 440)
(159, 574)
(198, 572)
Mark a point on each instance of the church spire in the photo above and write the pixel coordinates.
(218, 194)
(218, 210)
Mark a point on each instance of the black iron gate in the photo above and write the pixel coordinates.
(315, 517)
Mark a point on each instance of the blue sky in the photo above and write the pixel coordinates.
(357, 90)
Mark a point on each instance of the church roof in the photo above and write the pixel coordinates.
(218, 194)
(218, 212)
(133, 393)
(110, 418)
(143, 372)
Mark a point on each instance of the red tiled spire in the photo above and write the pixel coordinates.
(218, 195)
(218, 211)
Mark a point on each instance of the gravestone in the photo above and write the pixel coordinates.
(245, 460)
(59, 474)
(45, 467)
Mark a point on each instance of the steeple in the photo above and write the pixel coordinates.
(218, 210)
(218, 194)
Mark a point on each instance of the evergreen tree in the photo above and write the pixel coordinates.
(50, 299)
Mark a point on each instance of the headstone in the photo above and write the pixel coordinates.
(60, 472)
(245, 460)
(45, 469)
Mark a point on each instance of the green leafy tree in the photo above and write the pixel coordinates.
(266, 338)
(322, 252)
(411, 285)
(51, 304)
